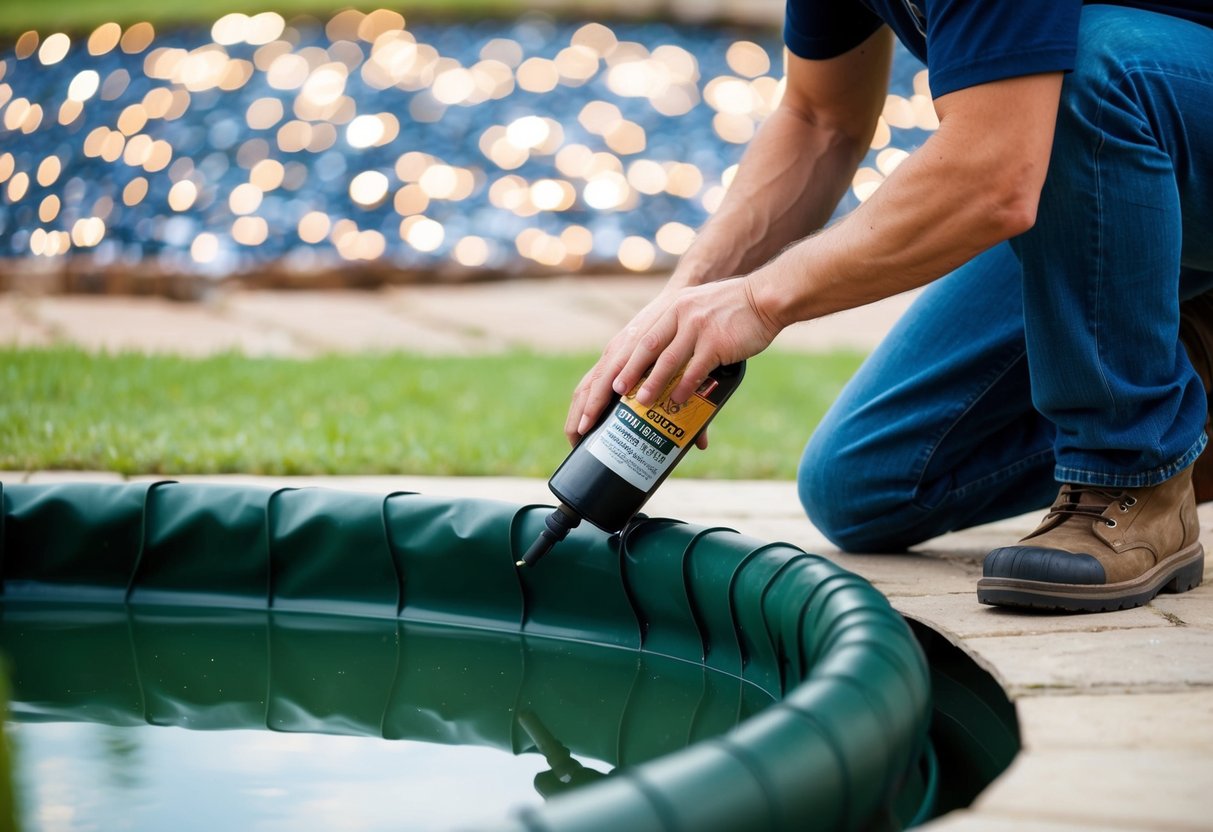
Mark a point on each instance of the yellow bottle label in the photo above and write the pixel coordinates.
(640, 443)
(677, 422)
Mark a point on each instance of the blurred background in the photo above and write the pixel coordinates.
(165, 148)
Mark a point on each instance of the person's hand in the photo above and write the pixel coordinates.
(699, 328)
(595, 388)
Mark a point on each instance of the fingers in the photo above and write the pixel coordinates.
(662, 353)
(701, 441)
(594, 391)
(577, 408)
(589, 399)
(697, 369)
(646, 351)
(602, 382)
(692, 330)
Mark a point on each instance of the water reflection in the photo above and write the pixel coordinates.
(481, 722)
(565, 772)
(260, 780)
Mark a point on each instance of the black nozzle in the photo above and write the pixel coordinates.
(557, 526)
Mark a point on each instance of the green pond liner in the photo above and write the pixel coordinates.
(836, 685)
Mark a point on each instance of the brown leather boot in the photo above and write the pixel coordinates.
(1102, 549)
(1196, 333)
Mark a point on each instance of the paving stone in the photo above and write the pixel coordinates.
(1193, 608)
(909, 573)
(1158, 789)
(796, 531)
(975, 543)
(52, 477)
(1178, 720)
(16, 330)
(320, 322)
(154, 325)
(619, 296)
(1112, 660)
(962, 616)
(896, 575)
(723, 499)
(986, 821)
(854, 329)
(514, 314)
(912, 574)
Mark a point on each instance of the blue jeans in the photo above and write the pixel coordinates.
(1054, 357)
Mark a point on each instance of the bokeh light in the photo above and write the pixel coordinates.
(314, 226)
(182, 195)
(675, 238)
(84, 86)
(369, 188)
(204, 248)
(54, 48)
(104, 39)
(422, 233)
(472, 251)
(636, 254)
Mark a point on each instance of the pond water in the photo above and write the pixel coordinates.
(89, 776)
(155, 718)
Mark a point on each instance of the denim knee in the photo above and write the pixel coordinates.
(1110, 83)
(856, 509)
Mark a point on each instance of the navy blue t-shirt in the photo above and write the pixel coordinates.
(962, 42)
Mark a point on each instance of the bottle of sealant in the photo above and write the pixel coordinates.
(631, 449)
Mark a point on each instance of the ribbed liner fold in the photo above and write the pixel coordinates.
(850, 682)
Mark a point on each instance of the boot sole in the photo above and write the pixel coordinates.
(1179, 573)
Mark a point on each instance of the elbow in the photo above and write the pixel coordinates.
(1011, 210)
(1000, 186)
(1015, 194)
(1018, 217)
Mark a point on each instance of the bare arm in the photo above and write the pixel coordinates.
(790, 178)
(975, 183)
(798, 165)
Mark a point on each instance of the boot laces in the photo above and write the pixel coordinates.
(1104, 499)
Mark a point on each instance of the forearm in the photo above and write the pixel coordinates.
(798, 165)
(788, 182)
(956, 196)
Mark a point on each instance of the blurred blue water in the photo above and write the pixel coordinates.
(214, 134)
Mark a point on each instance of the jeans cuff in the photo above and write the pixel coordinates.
(1081, 476)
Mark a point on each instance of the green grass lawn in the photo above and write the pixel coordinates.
(83, 15)
(370, 414)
